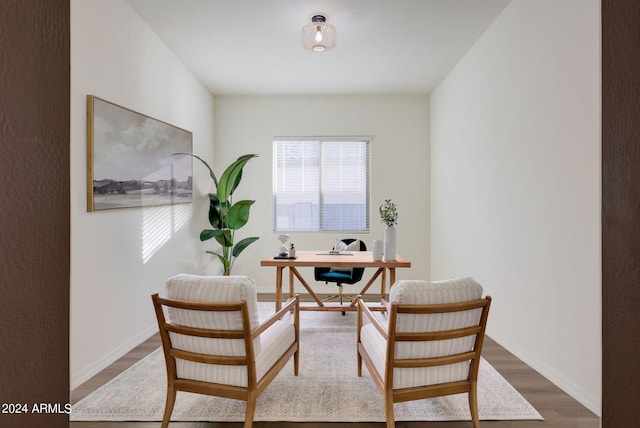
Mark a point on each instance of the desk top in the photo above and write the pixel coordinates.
(358, 259)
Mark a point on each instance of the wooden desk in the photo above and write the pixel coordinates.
(313, 259)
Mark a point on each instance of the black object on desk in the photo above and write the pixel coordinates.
(284, 255)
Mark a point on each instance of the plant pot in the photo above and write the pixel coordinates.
(390, 243)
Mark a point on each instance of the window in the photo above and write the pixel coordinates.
(321, 185)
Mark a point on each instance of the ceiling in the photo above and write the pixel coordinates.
(253, 47)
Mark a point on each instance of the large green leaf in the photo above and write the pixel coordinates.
(239, 177)
(238, 214)
(224, 238)
(231, 177)
(215, 215)
(211, 173)
(236, 183)
(240, 246)
(207, 234)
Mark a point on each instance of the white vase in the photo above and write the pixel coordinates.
(390, 243)
(378, 250)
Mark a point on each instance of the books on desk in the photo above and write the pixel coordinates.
(335, 253)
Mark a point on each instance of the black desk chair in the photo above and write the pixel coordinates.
(341, 275)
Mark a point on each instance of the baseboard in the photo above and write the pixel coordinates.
(551, 374)
(100, 364)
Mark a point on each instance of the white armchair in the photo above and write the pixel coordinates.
(430, 345)
(213, 343)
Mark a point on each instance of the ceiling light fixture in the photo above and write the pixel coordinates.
(318, 35)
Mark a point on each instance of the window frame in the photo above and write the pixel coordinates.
(323, 139)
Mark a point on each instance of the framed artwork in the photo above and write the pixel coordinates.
(131, 161)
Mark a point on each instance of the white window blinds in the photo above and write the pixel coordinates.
(321, 185)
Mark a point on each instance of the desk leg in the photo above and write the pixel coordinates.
(305, 285)
(392, 279)
(279, 270)
(383, 283)
(366, 287)
(291, 282)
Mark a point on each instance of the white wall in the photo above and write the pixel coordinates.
(399, 167)
(515, 158)
(120, 257)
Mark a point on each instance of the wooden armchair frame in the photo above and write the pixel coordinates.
(384, 381)
(255, 386)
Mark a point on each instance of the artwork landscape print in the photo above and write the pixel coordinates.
(130, 161)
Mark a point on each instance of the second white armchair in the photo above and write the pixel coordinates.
(430, 345)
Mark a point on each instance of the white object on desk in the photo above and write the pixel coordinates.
(378, 248)
(283, 238)
(335, 253)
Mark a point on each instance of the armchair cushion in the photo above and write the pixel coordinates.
(427, 293)
(275, 342)
(220, 289)
(376, 347)
(268, 347)
(418, 292)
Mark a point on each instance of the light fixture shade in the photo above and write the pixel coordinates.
(318, 35)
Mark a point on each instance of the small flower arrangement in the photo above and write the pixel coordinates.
(389, 213)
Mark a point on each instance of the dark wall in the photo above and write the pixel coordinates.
(34, 210)
(620, 212)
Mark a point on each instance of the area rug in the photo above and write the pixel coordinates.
(327, 388)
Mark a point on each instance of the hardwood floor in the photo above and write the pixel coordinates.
(558, 409)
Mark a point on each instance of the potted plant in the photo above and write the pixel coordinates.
(389, 216)
(225, 216)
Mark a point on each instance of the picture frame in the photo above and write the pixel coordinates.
(131, 159)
